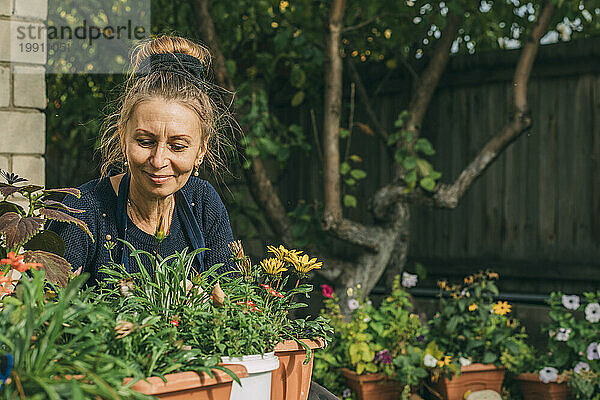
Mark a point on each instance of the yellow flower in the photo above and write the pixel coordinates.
(236, 249)
(273, 266)
(442, 284)
(473, 307)
(469, 280)
(281, 252)
(444, 361)
(501, 308)
(303, 264)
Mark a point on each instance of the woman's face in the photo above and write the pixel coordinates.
(162, 142)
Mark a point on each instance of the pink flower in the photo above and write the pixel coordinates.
(327, 291)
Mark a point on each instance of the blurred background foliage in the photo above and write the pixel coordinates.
(274, 54)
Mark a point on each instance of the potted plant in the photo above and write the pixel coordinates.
(236, 318)
(375, 352)
(48, 334)
(472, 337)
(570, 366)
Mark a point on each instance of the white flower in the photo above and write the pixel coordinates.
(548, 375)
(570, 302)
(581, 366)
(592, 312)
(353, 304)
(562, 335)
(592, 351)
(465, 293)
(409, 280)
(429, 361)
(366, 319)
(465, 362)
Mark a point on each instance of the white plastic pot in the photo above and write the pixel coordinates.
(257, 386)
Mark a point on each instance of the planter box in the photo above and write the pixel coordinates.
(473, 377)
(291, 381)
(191, 385)
(372, 386)
(533, 389)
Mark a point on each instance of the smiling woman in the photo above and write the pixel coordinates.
(167, 126)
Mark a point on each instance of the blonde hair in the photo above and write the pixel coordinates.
(206, 100)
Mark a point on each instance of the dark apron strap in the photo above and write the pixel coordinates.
(184, 212)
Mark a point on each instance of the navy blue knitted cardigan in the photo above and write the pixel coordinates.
(99, 201)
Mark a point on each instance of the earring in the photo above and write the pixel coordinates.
(125, 164)
(196, 167)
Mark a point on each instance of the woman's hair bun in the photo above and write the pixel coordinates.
(168, 45)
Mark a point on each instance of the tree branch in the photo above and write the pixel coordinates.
(331, 119)
(368, 237)
(260, 185)
(431, 75)
(448, 196)
(365, 99)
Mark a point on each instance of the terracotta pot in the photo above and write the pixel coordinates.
(533, 389)
(473, 377)
(191, 385)
(372, 386)
(291, 381)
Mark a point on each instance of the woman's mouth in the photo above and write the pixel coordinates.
(158, 179)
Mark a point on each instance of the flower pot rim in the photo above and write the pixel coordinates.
(534, 377)
(292, 345)
(480, 367)
(178, 381)
(368, 377)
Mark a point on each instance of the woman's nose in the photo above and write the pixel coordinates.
(159, 158)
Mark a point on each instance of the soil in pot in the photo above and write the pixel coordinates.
(257, 385)
(191, 385)
(533, 389)
(474, 377)
(372, 386)
(291, 381)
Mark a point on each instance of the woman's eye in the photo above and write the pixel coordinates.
(144, 142)
(178, 147)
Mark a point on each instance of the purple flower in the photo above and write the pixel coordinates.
(592, 351)
(581, 366)
(421, 338)
(383, 357)
(346, 393)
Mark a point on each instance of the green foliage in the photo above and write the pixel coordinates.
(383, 339)
(57, 350)
(472, 327)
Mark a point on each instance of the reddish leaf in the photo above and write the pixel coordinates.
(18, 230)
(72, 191)
(57, 268)
(30, 188)
(8, 190)
(62, 217)
(61, 206)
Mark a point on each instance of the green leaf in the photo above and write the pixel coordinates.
(345, 168)
(350, 201)
(411, 176)
(358, 174)
(428, 184)
(344, 133)
(409, 163)
(350, 182)
(453, 323)
(297, 99)
(47, 241)
(230, 67)
(424, 146)
(489, 358)
(297, 76)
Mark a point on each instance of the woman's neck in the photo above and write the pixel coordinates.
(146, 212)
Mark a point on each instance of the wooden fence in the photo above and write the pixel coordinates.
(534, 216)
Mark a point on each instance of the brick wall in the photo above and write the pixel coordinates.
(22, 95)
